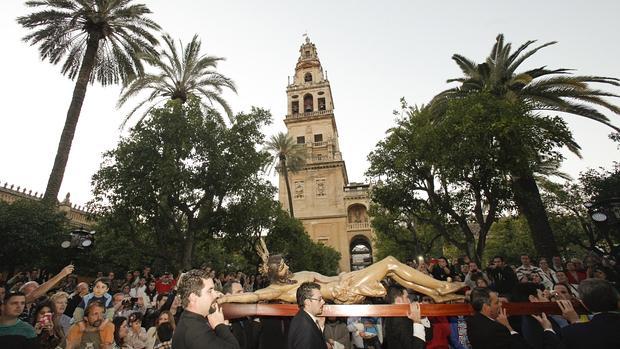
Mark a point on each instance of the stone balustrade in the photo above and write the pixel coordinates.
(358, 226)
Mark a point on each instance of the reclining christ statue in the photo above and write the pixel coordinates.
(347, 288)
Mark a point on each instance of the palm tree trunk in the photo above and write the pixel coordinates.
(527, 197)
(288, 186)
(73, 115)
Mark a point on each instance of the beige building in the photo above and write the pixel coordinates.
(333, 211)
(79, 217)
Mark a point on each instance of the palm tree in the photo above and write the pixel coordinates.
(287, 157)
(540, 89)
(181, 75)
(96, 40)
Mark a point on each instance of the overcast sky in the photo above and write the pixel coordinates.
(374, 52)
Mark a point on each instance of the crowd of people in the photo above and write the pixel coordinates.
(147, 311)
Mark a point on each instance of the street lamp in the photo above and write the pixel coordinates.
(80, 238)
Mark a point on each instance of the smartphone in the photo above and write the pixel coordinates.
(46, 319)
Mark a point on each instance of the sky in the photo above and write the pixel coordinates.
(374, 52)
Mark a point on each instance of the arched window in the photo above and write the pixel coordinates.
(361, 252)
(308, 77)
(357, 214)
(308, 103)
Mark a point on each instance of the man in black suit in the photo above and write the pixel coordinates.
(398, 333)
(246, 330)
(305, 331)
(199, 326)
(603, 330)
(489, 328)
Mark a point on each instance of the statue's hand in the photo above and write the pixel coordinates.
(222, 299)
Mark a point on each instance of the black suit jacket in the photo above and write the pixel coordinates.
(246, 331)
(193, 332)
(484, 333)
(603, 332)
(399, 334)
(304, 333)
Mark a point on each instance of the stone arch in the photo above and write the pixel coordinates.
(308, 103)
(360, 250)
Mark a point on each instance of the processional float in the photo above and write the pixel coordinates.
(348, 290)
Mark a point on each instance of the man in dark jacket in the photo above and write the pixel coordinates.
(489, 328)
(398, 329)
(193, 331)
(503, 278)
(306, 330)
(246, 330)
(602, 331)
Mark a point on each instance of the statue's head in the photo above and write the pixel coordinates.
(277, 270)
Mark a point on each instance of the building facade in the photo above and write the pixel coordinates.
(333, 211)
(79, 217)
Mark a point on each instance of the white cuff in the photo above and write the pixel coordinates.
(513, 332)
(550, 330)
(418, 331)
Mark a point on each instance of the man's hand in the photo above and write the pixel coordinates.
(568, 312)
(217, 317)
(502, 318)
(414, 313)
(67, 270)
(543, 321)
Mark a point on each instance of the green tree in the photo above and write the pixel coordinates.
(539, 89)
(98, 40)
(402, 236)
(287, 156)
(180, 76)
(421, 183)
(288, 237)
(567, 207)
(179, 176)
(31, 228)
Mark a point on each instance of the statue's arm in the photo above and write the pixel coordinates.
(251, 297)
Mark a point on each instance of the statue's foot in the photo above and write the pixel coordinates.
(450, 287)
(447, 298)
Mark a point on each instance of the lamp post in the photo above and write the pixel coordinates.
(80, 239)
(606, 217)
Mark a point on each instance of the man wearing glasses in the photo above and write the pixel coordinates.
(306, 330)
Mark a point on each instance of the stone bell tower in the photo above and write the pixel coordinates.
(321, 192)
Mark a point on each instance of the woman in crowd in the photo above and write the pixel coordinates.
(574, 275)
(549, 273)
(151, 292)
(47, 333)
(563, 280)
(120, 333)
(59, 305)
(136, 336)
(151, 335)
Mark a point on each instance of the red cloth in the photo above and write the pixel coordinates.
(441, 333)
(164, 288)
(581, 275)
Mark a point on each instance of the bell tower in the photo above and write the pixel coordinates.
(319, 190)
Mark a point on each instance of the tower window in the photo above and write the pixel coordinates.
(307, 53)
(301, 140)
(322, 103)
(295, 107)
(308, 103)
(308, 77)
(318, 137)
